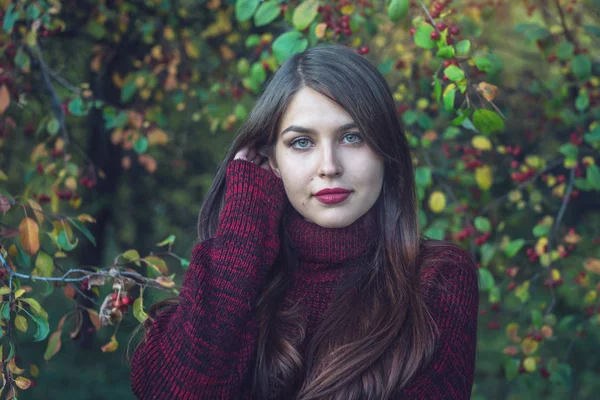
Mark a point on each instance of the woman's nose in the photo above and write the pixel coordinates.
(329, 164)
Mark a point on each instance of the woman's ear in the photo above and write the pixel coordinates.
(274, 166)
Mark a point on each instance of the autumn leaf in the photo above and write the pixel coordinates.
(4, 98)
(488, 91)
(22, 383)
(437, 202)
(110, 346)
(54, 344)
(29, 236)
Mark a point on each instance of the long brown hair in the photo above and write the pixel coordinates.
(378, 331)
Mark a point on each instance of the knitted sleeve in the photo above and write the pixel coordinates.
(204, 346)
(450, 374)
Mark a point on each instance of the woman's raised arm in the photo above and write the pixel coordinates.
(204, 347)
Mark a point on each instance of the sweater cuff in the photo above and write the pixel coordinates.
(244, 177)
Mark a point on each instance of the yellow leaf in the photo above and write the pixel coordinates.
(488, 91)
(157, 137)
(483, 177)
(95, 318)
(529, 364)
(437, 202)
(555, 274)
(157, 52)
(29, 236)
(592, 265)
(546, 331)
(157, 263)
(168, 33)
(34, 370)
(166, 282)
(320, 30)
(529, 346)
(347, 9)
(22, 383)
(37, 210)
(19, 293)
(21, 323)
(110, 346)
(12, 366)
(512, 332)
(191, 50)
(71, 183)
(4, 99)
(3, 176)
(85, 218)
(481, 143)
(590, 297)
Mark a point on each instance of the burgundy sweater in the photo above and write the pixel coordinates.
(204, 348)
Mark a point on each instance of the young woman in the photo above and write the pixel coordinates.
(311, 279)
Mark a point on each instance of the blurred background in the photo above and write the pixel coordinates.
(114, 115)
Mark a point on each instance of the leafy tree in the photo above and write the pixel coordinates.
(115, 112)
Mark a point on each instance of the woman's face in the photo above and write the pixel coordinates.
(319, 147)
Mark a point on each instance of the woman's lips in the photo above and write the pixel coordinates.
(333, 198)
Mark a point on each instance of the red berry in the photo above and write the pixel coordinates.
(454, 30)
(435, 35)
(364, 49)
(441, 26)
(126, 300)
(412, 31)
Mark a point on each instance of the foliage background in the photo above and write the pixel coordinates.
(115, 113)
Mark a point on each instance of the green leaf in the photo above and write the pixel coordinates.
(454, 73)
(5, 310)
(42, 328)
(138, 310)
(483, 64)
(537, 33)
(488, 251)
(449, 99)
(240, 111)
(437, 88)
(35, 307)
(565, 50)
(33, 12)
(409, 117)
(10, 18)
(252, 40)
(288, 44)
(131, 255)
(569, 150)
(167, 241)
(44, 264)
(593, 176)
(423, 36)
(141, 145)
(593, 136)
(63, 242)
(541, 230)
(451, 132)
(244, 9)
(23, 259)
(128, 91)
(463, 47)
(536, 319)
(77, 108)
(582, 102)
(486, 279)
(96, 29)
(513, 247)
(446, 52)
(266, 13)
(488, 122)
(581, 66)
(594, 30)
(423, 176)
(397, 9)
(53, 126)
(305, 14)
(386, 67)
(22, 60)
(511, 368)
(258, 73)
(482, 224)
(83, 230)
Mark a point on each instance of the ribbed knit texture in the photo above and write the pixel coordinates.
(205, 347)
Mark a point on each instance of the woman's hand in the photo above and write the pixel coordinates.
(249, 153)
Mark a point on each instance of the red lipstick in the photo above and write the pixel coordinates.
(332, 195)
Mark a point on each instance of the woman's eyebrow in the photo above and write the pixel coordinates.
(301, 129)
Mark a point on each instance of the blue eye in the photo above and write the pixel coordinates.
(356, 138)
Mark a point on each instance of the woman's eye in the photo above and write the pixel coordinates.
(353, 138)
(302, 143)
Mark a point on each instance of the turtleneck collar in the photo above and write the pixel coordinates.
(321, 247)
